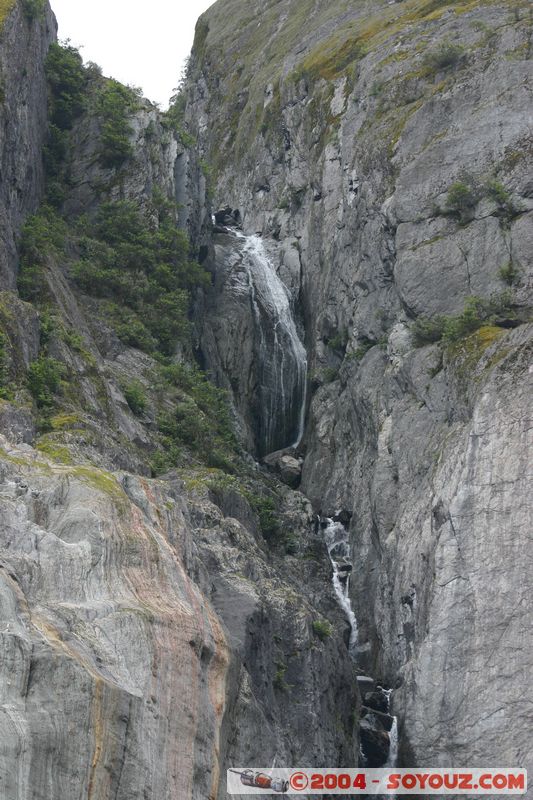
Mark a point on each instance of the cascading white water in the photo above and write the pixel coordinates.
(337, 542)
(394, 742)
(281, 357)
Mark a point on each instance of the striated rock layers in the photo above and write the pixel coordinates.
(157, 630)
(140, 632)
(151, 635)
(385, 150)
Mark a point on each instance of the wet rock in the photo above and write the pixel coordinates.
(377, 700)
(228, 217)
(397, 429)
(365, 683)
(375, 744)
(377, 719)
(343, 517)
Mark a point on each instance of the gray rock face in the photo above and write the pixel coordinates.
(150, 638)
(23, 125)
(425, 446)
(149, 642)
(251, 343)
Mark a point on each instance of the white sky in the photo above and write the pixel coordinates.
(140, 42)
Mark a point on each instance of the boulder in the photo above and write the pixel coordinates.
(378, 720)
(228, 217)
(377, 700)
(286, 466)
(375, 744)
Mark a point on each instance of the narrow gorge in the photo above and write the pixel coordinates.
(265, 400)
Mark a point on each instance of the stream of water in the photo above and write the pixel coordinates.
(338, 544)
(281, 357)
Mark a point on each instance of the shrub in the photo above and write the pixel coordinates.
(265, 508)
(509, 273)
(322, 629)
(477, 312)
(462, 198)
(446, 56)
(42, 234)
(115, 103)
(428, 330)
(174, 120)
(33, 9)
(497, 192)
(44, 380)
(5, 392)
(506, 206)
(200, 420)
(279, 681)
(339, 341)
(291, 544)
(135, 397)
(144, 269)
(68, 83)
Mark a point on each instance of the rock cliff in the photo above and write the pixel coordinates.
(25, 38)
(384, 152)
(166, 603)
(172, 603)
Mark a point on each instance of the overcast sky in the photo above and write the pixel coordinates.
(140, 42)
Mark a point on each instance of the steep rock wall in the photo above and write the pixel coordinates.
(151, 635)
(339, 132)
(141, 634)
(24, 42)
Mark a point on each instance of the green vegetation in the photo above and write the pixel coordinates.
(339, 341)
(115, 104)
(143, 270)
(265, 508)
(68, 84)
(199, 422)
(265, 504)
(507, 209)
(510, 273)
(67, 80)
(5, 7)
(428, 330)
(279, 681)
(465, 194)
(366, 345)
(33, 9)
(43, 234)
(135, 397)
(447, 56)
(53, 450)
(331, 59)
(174, 120)
(64, 421)
(322, 629)
(5, 390)
(478, 312)
(462, 198)
(44, 380)
(103, 482)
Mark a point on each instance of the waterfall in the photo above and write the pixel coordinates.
(337, 542)
(393, 751)
(281, 357)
